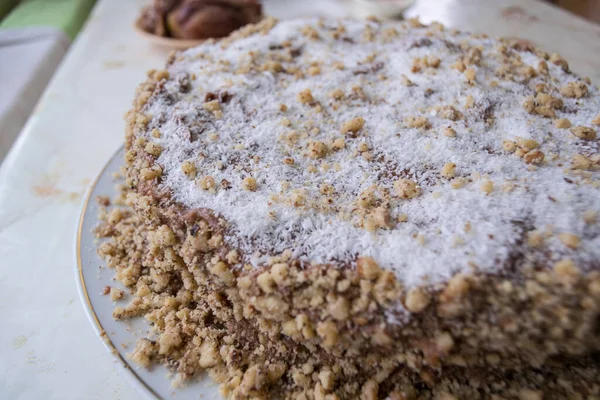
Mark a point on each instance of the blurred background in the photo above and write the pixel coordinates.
(35, 35)
(586, 8)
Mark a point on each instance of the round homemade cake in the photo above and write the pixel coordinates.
(350, 209)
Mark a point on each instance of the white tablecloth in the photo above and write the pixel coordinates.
(48, 350)
(28, 59)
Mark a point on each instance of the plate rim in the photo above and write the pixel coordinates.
(130, 374)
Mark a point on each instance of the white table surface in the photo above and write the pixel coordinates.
(48, 350)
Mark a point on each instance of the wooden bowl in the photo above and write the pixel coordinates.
(169, 42)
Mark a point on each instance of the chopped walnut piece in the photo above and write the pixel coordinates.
(566, 271)
(470, 75)
(368, 268)
(574, 90)
(449, 132)
(459, 65)
(528, 72)
(328, 332)
(583, 132)
(151, 173)
(306, 97)
(338, 144)
(417, 300)
(249, 183)
(340, 309)
(213, 105)
(160, 75)
(545, 99)
(535, 238)
(406, 82)
(370, 390)
(487, 186)
(207, 182)
(528, 144)
(590, 217)
(417, 65)
(458, 183)
(337, 94)
(317, 149)
(354, 125)
(266, 282)
(562, 123)
(153, 149)
(542, 105)
(545, 111)
(449, 170)
(596, 120)
(580, 161)
(327, 379)
(418, 122)
(406, 189)
(530, 394)
(509, 146)
(469, 102)
(445, 396)
(116, 294)
(451, 113)
(570, 240)
(310, 32)
(272, 66)
(298, 197)
(377, 219)
(314, 70)
(541, 88)
(561, 62)
(534, 157)
(529, 104)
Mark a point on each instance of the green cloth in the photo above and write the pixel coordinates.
(66, 15)
(6, 6)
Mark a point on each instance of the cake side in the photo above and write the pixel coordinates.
(200, 324)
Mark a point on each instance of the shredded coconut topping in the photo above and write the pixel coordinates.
(434, 152)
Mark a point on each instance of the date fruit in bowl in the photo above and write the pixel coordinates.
(198, 19)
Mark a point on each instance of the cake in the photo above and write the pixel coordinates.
(324, 209)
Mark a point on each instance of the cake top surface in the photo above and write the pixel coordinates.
(433, 151)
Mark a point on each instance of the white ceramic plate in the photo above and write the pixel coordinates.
(168, 42)
(119, 337)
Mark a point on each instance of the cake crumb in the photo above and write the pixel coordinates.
(116, 294)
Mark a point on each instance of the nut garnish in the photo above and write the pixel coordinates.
(562, 123)
(306, 97)
(406, 189)
(570, 240)
(574, 90)
(249, 183)
(449, 132)
(448, 171)
(353, 125)
(584, 132)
